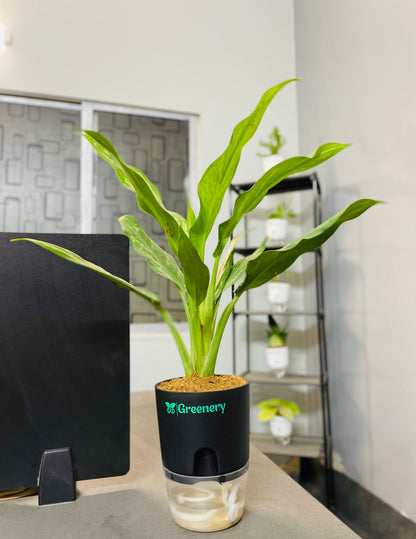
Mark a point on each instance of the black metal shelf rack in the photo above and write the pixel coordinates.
(305, 447)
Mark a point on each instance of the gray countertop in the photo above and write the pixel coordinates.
(136, 506)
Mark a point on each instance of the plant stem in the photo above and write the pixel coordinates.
(209, 363)
(209, 300)
(195, 328)
(208, 315)
(185, 305)
(183, 351)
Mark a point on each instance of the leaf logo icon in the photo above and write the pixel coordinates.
(170, 406)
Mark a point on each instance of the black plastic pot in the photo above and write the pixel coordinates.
(204, 434)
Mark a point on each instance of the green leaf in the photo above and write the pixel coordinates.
(222, 277)
(195, 271)
(225, 268)
(183, 351)
(218, 176)
(106, 150)
(240, 266)
(286, 412)
(270, 404)
(248, 200)
(159, 260)
(147, 194)
(190, 219)
(174, 225)
(293, 407)
(288, 409)
(276, 341)
(271, 263)
(76, 259)
(211, 359)
(267, 414)
(269, 408)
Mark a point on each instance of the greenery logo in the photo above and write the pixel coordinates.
(180, 408)
(170, 407)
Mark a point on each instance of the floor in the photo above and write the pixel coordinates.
(363, 512)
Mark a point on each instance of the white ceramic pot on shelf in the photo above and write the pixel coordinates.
(276, 230)
(270, 161)
(278, 359)
(278, 294)
(281, 429)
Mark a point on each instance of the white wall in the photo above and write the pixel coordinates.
(356, 62)
(210, 58)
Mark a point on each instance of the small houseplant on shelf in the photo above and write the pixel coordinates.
(204, 418)
(272, 145)
(277, 224)
(280, 414)
(278, 292)
(277, 353)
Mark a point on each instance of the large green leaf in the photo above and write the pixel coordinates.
(158, 259)
(190, 217)
(225, 268)
(195, 271)
(239, 268)
(248, 200)
(174, 225)
(218, 176)
(147, 194)
(76, 259)
(106, 150)
(272, 263)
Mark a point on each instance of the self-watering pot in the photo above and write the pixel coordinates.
(278, 359)
(276, 231)
(281, 429)
(204, 440)
(278, 293)
(269, 161)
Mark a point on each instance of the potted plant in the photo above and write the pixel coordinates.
(204, 418)
(272, 145)
(278, 292)
(277, 353)
(280, 414)
(277, 224)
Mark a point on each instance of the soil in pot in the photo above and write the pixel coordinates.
(201, 384)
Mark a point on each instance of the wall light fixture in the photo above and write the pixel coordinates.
(5, 38)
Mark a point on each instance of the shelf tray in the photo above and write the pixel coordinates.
(300, 446)
(246, 251)
(276, 313)
(293, 183)
(270, 378)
